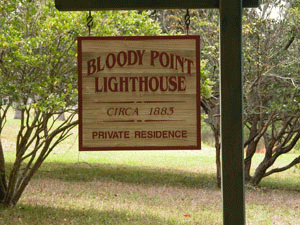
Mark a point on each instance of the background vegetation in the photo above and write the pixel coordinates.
(38, 80)
(141, 187)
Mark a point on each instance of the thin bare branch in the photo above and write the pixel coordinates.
(277, 170)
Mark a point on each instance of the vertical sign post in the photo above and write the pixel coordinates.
(232, 112)
(231, 85)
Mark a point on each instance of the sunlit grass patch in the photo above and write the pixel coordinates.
(143, 187)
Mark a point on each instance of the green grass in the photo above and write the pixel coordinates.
(142, 187)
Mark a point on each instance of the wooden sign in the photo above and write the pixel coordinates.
(139, 93)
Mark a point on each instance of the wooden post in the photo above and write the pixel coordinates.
(232, 112)
(231, 86)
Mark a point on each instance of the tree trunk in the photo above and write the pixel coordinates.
(3, 184)
(261, 170)
(216, 131)
(251, 147)
(259, 173)
(248, 160)
(218, 159)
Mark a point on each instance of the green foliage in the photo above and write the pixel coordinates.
(272, 93)
(38, 74)
(124, 23)
(271, 64)
(203, 22)
(207, 84)
(270, 72)
(38, 57)
(39, 50)
(156, 187)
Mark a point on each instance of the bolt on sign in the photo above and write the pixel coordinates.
(139, 93)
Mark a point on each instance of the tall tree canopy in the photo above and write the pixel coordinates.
(271, 85)
(38, 63)
(38, 74)
(271, 78)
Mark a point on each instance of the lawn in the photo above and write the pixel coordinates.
(142, 187)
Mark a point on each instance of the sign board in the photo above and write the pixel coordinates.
(90, 5)
(139, 92)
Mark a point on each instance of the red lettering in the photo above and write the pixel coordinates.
(184, 134)
(97, 85)
(132, 58)
(101, 134)
(133, 81)
(110, 63)
(143, 83)
(164, 59)
(105, 84)
(181, 61)
(153, 55)
(140, 84)
(91, 66)
(164, 134)
(153, 86)
(112, 86)
(172, 61)
(137, 134)
(109, 112)
(162, 88)
(173, 83)
(124, 58)
(126, 134)
(189, 64)
(181, 83)
(103, 87)
(111, 134)
(98, 64)
(124, 84)
(135, 57)
(140, 54)
(121, 111)
(94, 134)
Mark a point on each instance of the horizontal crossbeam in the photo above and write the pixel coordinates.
(96, 5)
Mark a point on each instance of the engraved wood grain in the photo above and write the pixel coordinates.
(139, 93)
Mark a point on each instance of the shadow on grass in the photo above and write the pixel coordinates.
(27, 214)
(284, 183)
(126, 174)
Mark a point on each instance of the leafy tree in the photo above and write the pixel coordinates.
(271, 87)
(271, 78)
(205, 23)
(272, 93)
(38, 62)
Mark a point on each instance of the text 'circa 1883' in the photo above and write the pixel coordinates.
(139, 93)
